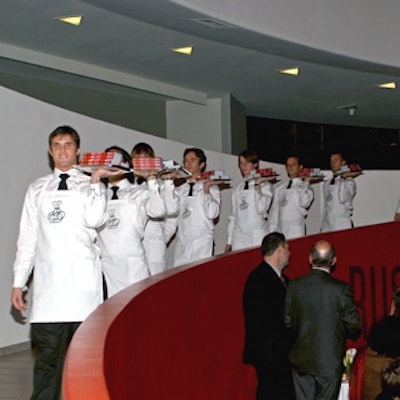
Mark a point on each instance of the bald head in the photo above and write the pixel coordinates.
(322, 255)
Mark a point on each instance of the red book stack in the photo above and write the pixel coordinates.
(101, 158)
(147, 163)
(266, 172)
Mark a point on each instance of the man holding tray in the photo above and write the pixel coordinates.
(338, 197)
(199, 205)
(57, 233)
(250, 203)
(291, 202)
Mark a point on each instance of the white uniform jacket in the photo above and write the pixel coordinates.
(195, 236)
(56, 239)
(247, 224)
(123, 257)
(155, 241)
(289, 208)
(338, 204)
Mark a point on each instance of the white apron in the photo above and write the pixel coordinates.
(337, 215)
(67, 276)
(291, 215)
(155, 246)
(195, 232)
(250, 227)
(122, 254)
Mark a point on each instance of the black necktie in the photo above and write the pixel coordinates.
(246, 185)
(63, 183)
(289, 184)
(115, 190)
(140, 180)
(333, 179)
(191, 184)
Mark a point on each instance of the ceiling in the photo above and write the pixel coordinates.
(123, 46)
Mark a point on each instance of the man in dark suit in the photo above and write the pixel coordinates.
(266, 337)
(321, 313)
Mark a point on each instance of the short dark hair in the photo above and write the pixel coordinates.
(336, 151)
(142, 148)
(250, 156)
(199, 154)
(271, 242)
(65, 130)
(125, 155)
(294, 156)
(322, 261)
(62, 131)
(390, 378)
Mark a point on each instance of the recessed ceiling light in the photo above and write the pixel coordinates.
(290, 71)
(187, 50)
(71, 19)
(388, 85)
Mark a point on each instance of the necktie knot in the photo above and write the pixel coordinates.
(289, 184)
(63, 182)
(246, 185)
(333, 179)
(114, 190)
(191, 184)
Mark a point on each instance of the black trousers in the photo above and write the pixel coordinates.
(309, 387)
(50, 341)
(274, 383)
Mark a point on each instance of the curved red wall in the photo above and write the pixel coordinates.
(179, 335)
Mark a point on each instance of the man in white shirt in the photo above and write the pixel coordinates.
(291, 202)
(250, 203)
(129, 207)
(339, 192)
(56, 240)
(199, 206)
(155, 237)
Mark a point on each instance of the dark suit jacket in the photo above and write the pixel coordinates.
(321, 314)
(266, 337)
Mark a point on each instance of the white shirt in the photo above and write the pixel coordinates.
(57, 239)
(195, 222)
(338, 204)
(121, 237)
(289, 208)
(247, 224)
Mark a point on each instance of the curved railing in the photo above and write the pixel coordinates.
(179, 335)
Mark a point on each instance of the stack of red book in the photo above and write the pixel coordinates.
(213, 175)
(147, 163)
(266, 172)
(354, 167)
(311, 172)
(101, 158)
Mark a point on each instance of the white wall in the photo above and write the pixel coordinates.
(25, 126)
(195, 124)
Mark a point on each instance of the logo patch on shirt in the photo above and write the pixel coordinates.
(186, 212)
(57, 215)
(113, 221)
(244, 204)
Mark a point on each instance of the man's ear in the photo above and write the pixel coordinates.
(202, 166)
(78, 151)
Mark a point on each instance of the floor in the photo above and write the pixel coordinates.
(16, 375)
